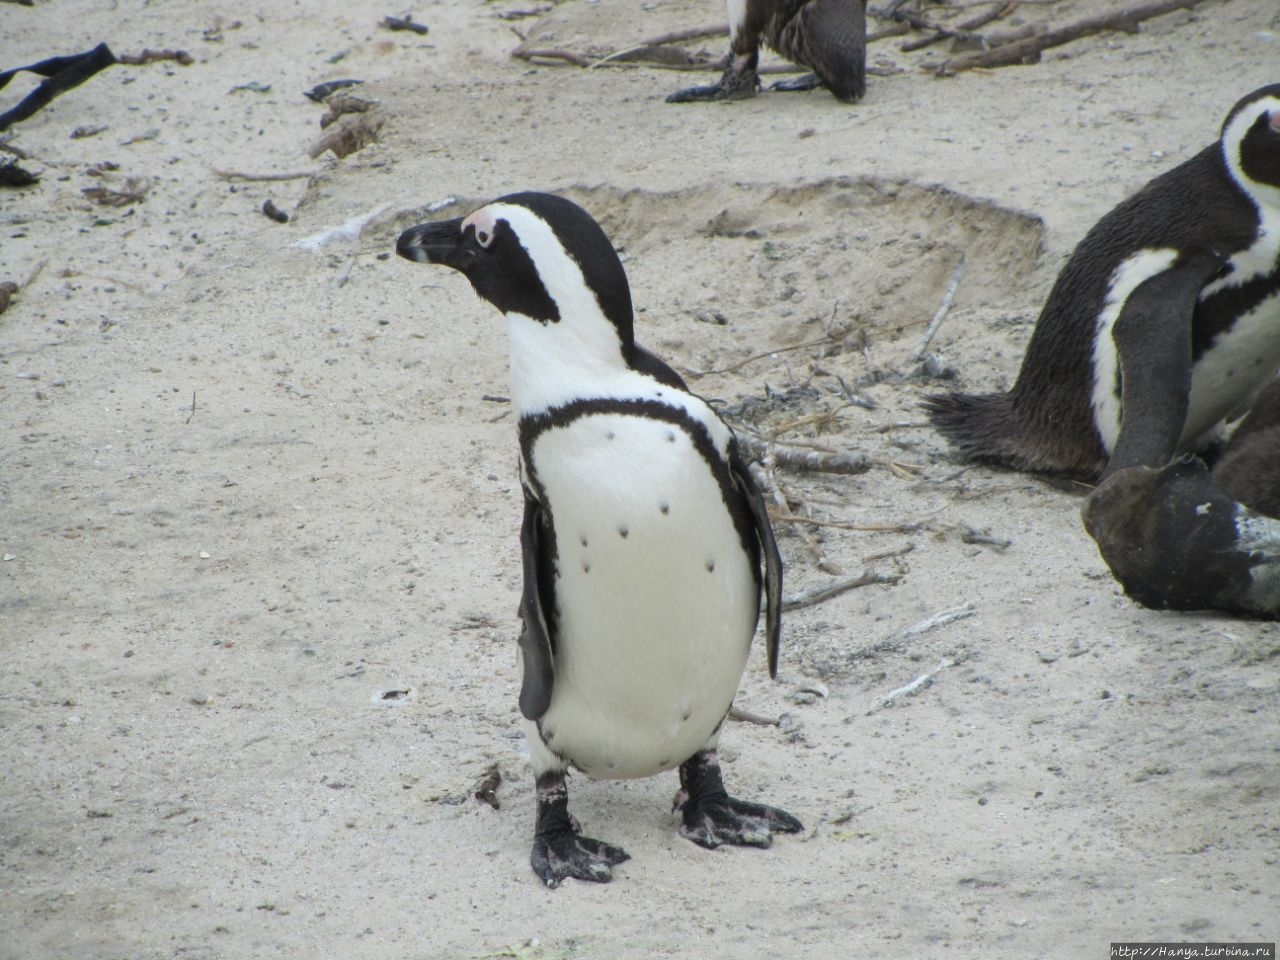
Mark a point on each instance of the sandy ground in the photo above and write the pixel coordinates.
(258, 518)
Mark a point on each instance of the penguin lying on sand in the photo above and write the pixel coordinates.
(1185, 538)
(1165, 320)
(827, 36)
(643, 534)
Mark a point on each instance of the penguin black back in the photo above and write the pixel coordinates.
(1171, 257)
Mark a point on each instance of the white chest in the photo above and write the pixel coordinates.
(656, 600)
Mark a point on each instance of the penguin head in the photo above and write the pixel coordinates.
(533, 254)
(1251, 140)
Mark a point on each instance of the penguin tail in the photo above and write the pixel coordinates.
(986, 427)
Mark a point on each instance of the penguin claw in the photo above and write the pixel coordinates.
(736, 822)
(732, 86)
(712, 92)
(807, 81)
(560, 856)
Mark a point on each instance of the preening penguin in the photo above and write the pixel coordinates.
(1187, 538)
(643, 540)
(1165, 320)
(827, 36)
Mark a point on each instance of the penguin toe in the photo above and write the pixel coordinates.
(800, 84)
(736, 822)
(565, 854)
(732, 86)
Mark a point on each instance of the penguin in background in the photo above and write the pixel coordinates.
(1165, 320)
(645, 541)
(827, 36)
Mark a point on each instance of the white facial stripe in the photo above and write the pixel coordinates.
(482, 221)
(1261, 193)
(1259, 259)
(1134, 271)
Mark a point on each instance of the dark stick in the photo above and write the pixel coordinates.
(1020, 50)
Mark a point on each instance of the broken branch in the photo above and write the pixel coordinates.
(808, 598)
(849, 463)
(1019, 51)
(941, 313)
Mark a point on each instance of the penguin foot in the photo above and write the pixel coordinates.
(559, 850)
(712, 817)
(807, 81)
(566, 854)
(733, 85)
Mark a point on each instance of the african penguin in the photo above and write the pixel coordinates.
(1184, 537)
(827, 36)
(643, 535)
(1165, 320)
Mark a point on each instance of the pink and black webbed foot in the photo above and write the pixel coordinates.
(559, 850)
(711, 817)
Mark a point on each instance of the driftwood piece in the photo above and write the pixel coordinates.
(240, 175)
(948, 297)
(808, 598)
(962, 31)
(152, 56)
(796, 459)
(1019, 51)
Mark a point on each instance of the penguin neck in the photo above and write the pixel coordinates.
(553, 363)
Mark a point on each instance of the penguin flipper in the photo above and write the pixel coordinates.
(535, 637)
(1153, 343)
(769, 550)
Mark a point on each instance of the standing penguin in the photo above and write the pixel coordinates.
(827, 36)
(1165, 320)
(643, 534)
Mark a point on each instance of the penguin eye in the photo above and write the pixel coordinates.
(483, 237)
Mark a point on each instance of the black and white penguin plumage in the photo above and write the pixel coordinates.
(1184, 537)
(827, 36)
(1165, 320)
(643, 538)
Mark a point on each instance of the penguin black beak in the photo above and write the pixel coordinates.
(440, 242)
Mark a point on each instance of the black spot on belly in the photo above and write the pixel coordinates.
(608, 434)
(583, 539)
(586, 565)
(622, 532)
(664, 762)
(711, 566)
(687, 715)
(671, 437)
(664, 507)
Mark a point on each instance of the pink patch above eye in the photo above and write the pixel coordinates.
(1275, 120)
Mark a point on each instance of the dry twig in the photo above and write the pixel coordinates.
(784, 456)
(238, 175)
(746, 716)
(150, 56)
(1031, 47)
(808, 598)
(963, 31)
(941, 313)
